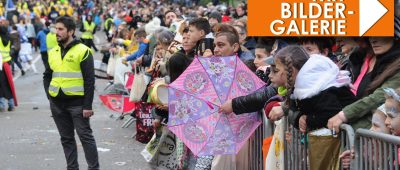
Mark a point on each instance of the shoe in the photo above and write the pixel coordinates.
(2, 109)
(22, 72)
(11, 109)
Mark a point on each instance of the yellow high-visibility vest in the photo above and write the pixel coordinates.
(5, 51)
(67, 74)
(88, 34)
(51, 41)
(106, 23)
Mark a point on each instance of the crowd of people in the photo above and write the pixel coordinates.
(319, 83)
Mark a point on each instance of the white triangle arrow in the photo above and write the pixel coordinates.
(370, 12)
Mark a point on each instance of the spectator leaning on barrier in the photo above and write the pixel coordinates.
(319, 96)
(140, 36)
(383, 72)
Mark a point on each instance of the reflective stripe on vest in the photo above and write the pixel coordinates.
(5, 51)
(88, 34)
(67, 74)
(76, 89)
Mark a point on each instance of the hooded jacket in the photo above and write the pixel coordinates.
(321, 91)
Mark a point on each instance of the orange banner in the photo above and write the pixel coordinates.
(321, 18)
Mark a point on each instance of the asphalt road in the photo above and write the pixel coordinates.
(29, 139)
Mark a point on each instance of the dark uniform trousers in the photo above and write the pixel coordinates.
(68, 118)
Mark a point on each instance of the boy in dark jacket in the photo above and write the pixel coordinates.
(200, 33)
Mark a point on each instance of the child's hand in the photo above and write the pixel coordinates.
(276, 113)
(226, 107)
(288, 136)
(346, 157)
(303, 123)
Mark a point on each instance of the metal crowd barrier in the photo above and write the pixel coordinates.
(373, 150)
(266, 129)
(255, 150)
(346, 141)
(296, 151)
(376, 150)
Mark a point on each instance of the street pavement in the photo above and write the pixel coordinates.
(30, 140)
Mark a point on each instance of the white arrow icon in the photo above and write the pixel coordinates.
(370, 12)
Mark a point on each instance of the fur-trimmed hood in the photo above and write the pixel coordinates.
(318, 74)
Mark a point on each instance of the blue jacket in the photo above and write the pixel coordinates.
(41, 38)
(139, 52)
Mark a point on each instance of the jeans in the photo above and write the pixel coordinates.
(3, 102)
(70, 118)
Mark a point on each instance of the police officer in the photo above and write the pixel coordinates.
(89, 28)
(69, 84)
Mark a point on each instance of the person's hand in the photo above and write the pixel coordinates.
(276, 113)
(113, 50)
(172, 47)
(156, 123)
(288, 136)
(87, 113)
(303, 123)
(346, 158)
(335, 121)
(139, 61)
(207, 53)
(226, 107)
(162, 107)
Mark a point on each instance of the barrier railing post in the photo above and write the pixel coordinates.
(296, 153)
(370, 154)
(347, 141)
